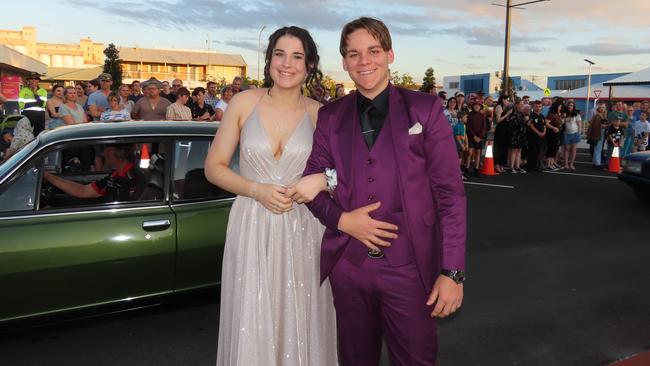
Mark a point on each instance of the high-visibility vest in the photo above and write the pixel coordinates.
(27, 100)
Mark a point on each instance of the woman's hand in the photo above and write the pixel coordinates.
(272, 197)
(307, 188)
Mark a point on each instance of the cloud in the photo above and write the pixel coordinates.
(328, 15)
(488, 36)
(243, 44)
(608, 49)
(529, 48)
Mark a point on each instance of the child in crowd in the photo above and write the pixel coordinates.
(641, 132)
(614, 135)
(460, 135)
(475, 128)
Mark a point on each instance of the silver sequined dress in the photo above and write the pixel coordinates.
(273, 310)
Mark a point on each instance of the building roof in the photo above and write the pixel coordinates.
(13, 59)
(621, 92)
(180, 57)
(641, 77)
(66, 73)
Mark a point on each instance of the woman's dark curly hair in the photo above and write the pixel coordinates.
(314, 75)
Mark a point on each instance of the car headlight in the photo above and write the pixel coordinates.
(633, 167)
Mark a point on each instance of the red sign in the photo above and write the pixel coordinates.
(10, 86)
(597, 93)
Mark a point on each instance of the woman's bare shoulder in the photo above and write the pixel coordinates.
(242, 104)
(312, 108)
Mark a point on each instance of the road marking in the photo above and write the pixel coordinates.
(587, 154)
(489, 185)
(582, 175)
(583, 162)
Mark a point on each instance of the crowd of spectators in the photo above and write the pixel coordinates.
(532, 136)
(150, 100)
(95, 101)
(527, 136)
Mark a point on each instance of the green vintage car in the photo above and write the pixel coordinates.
(60, 254)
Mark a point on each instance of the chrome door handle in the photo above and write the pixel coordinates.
(156, 225)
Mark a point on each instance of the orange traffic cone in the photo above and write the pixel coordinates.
(144, 157)
(488, 162)
(614, 161)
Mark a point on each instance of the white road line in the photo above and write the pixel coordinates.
(489, 185)
(582, 175)
(583, 162)
(587, 154)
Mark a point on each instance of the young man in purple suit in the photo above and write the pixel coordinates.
(394, 248)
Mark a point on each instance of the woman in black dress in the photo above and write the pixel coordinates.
(553, 125)
(517, 125)
(502, 112)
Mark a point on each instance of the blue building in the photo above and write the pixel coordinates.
(571, 82)
(477, 82)
(486, 83)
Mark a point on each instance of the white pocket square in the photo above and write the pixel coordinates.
(416, 129)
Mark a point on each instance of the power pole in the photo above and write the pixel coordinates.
(506, 57)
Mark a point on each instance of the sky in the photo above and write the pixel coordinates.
(453, 36)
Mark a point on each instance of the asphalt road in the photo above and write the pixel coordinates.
(558, 269)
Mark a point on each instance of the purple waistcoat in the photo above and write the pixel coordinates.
(372, 169)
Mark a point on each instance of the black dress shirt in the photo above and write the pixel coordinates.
(372, 114)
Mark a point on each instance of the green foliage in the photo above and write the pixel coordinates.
(112, 65)
(329, 85)
(428, 81)
(248, 81)
(404, 80)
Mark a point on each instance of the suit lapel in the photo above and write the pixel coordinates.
(399, 127)
(347, 144)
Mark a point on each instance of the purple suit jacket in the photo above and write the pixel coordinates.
(429, 178)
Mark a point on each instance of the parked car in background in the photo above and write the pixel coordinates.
(59, 253)
(636, 173)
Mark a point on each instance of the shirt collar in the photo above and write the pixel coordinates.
(380, 102)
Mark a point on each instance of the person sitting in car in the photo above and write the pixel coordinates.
(124, 183)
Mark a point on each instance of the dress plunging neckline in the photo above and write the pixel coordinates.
(268, 140)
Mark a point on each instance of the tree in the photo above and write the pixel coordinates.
(329, 85)
(113, 65)
(248, 81)
(429, 81)
(404, 80)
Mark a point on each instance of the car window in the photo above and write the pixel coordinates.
(97, 173)
(20, 195)
(189, 181)
(7, 163)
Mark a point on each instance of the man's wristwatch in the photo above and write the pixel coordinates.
(330, 178)
(455, 274)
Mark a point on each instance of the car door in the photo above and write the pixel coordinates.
(73, 253)
(202, 211)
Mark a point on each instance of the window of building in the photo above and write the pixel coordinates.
(473, 85)
(454, 85)
(154, 68)
(189, 181)
(569, 84)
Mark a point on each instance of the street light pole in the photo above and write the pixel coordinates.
(259, 49)
(588, 87)
(506, 57)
